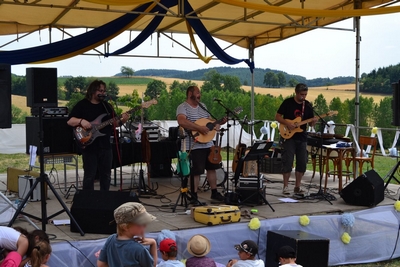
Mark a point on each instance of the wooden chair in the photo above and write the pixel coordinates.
(364, 142)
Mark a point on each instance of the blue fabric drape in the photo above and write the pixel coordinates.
(209, 41)
(60, 48)
(151, 27)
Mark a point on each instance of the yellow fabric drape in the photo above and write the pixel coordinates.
(118, 2)
(198, 53)
(83, 50)
(312, 12)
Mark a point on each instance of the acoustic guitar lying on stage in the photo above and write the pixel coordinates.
(287, 134)
(86, 137)
(205, 138)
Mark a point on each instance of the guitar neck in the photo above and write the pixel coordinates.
(309, 120)
(113, 120)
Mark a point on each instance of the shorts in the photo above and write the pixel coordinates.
(290, 149)
(199, 161)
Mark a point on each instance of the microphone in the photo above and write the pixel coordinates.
(102, 95)
(217, 99)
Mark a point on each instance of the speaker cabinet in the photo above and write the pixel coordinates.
(5, 96)
(41, 87)
(161, 169)
(57, 135)
(367, 190)
(311, 250)
(396, 104)
(94, 210)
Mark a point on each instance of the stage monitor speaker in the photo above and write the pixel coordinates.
(396, 104)
(367, 190)
(57, 135)
(311, 250)
(94, 210)
(41, 87)
(5, 96)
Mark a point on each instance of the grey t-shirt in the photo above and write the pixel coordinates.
(193, 114)
(120, 253)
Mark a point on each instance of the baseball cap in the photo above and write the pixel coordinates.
(286, 252)
(132, 212)
(166, 245)
(247, 246)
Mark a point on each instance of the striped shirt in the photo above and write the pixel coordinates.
(193, 114)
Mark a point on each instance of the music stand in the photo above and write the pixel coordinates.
(258, 152)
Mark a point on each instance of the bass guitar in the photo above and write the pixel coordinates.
(86, 137)
(205, 138)
(287, 134)
(215, 151)
(183, 164)
(240, 148)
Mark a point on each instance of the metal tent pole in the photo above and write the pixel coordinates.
(251, 57)
(357, 97)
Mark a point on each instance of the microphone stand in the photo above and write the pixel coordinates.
(320, 193)
(228, 113)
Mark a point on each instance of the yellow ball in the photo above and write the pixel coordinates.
(274, 124)
(254, 224)
(397, 205)
(304, 220)
(346, 238)
(375, 130)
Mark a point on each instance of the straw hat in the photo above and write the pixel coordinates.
(199, 245)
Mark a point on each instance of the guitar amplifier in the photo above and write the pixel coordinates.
(25, 183)
(250, 182)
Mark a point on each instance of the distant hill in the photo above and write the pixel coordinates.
(243, 74)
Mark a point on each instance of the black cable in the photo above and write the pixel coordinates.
(80, 251)
(395, 245)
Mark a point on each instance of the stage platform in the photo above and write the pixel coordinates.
(223, 237)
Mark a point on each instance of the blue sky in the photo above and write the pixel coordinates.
(318, 53)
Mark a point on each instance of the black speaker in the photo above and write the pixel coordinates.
(367, 190)
(57, 135)
(161, 169)
(41, 87)
(5, 96)
(396, 104)
(94, 210)
(311, 250)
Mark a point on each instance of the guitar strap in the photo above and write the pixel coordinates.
(302, 111)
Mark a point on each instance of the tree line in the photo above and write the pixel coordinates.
(379, 81)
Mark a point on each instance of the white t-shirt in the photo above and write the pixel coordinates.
(249, 263)
(291, 265)
(171, 263)
(9, 238)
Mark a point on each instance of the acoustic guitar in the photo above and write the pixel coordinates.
(215, 151)
(240, 148)
(205, 138)
(287, 134)
(183, 166)
(86, 137)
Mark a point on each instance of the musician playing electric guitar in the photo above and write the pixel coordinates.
(187, 113)
(291, 109)
(97, 157)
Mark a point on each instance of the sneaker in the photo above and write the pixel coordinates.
(217, 196)
(299, 190)
(286, 191)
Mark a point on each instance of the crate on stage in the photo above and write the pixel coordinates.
(214, 215)
(271, 165)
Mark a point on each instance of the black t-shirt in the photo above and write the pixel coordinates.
(290, 109)
(88, 111)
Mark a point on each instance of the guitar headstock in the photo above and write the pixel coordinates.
(149, 103)
(332, 113)
(181, 132)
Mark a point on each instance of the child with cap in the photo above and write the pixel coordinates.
(169, 250)
(126, 248)
(247, 252)
(287, 257)
(199, 246)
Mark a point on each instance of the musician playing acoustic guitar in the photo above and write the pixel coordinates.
(187, 113)
(290, 109)
(97, 157)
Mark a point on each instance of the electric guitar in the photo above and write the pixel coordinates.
(240, 148)
(205, 138)
(215, 151)
(86, 137)
(287, 134)
(183, 166)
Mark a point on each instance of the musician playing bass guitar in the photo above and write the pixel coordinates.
(187, 113)
(290, 109)
(97, 157)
